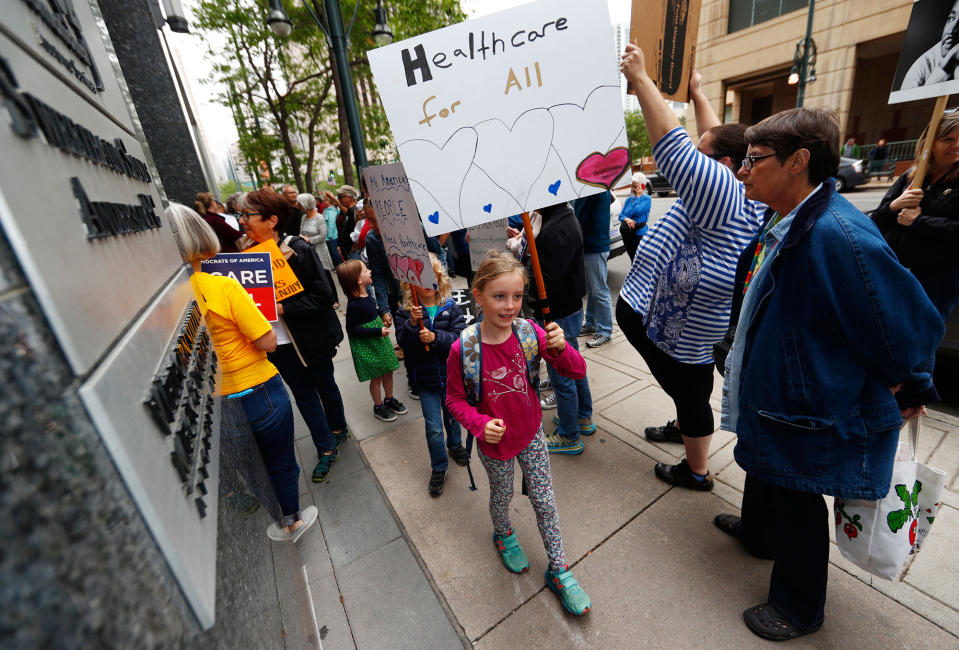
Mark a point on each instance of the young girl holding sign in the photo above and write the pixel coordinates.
(492, 372)
(373, 356)
(426, 328)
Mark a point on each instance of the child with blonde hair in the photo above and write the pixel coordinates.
(492, 376)
(373, 356)
(426, 329)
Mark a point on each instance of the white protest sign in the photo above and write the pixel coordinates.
(930, 53)
(485, 236)
(400, 229)
(506, 113)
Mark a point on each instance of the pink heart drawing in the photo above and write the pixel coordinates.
(403, 266)
(416, 268)
(602, 170)
(394, 262)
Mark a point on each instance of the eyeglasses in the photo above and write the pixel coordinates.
(749, 161)
(245, 216)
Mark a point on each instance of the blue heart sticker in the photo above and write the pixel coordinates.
(554, 188)
(488, 207)
(435, 217)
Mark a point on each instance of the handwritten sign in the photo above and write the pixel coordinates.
(929, 62)
(253, 271)
(667, 32)
(285, 282)
(506, 113)
(399, 223)
(484, 237)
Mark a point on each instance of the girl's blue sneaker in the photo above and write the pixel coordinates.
(586, 425)
(563, 584)
(513, 556)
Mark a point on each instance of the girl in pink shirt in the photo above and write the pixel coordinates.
(507, 420)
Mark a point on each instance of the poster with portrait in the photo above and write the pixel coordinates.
(929, 63)
(399, 224)
(506, 113)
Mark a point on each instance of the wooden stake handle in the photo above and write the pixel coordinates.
(537, 271)
(416, 302)
(922, 165)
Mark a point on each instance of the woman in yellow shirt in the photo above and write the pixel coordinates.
(242, 337)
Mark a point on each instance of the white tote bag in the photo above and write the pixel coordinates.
(883, 536)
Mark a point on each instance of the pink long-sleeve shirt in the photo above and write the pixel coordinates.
(507, 394)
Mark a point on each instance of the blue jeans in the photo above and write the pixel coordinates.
(334, 251)
(270, 415)
(433, 403)
(306, 392)
(573, 400)
(599, 305)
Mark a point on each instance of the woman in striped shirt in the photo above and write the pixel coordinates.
(676, 298)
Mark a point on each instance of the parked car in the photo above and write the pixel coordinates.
(658, 184)
(850, 174)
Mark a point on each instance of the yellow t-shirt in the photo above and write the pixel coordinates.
(234, 323)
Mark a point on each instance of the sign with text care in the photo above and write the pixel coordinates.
(506, 113)
(285, 282)
(484, 237)
(253, 271)
(400, 227)
(929, 62)
(667, 32)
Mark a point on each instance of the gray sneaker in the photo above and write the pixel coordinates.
(544, 383)
(597, 341)
(548, 402)
(586, 330)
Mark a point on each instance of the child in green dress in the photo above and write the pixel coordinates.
(373, 355)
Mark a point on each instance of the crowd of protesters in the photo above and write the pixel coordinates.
(822, 322)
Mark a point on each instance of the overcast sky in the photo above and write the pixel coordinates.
(217, 121)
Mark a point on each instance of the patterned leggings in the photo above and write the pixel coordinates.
(534, 461)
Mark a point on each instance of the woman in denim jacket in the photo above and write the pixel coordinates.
(831, 353)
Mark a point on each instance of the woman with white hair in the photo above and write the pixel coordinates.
(635, 213)
(313, 229)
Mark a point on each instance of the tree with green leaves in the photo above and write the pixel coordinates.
(282, 91)
(637, 136)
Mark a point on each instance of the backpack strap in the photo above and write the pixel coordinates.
(471, 357)
(529, 343)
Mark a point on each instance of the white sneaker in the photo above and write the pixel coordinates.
(308, 516)
(548, 402)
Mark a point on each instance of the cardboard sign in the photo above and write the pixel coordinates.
(506, 113)
(484, 237)
(399, 223)
(254, 273)
(930, 53)
(285, 282)
(667, 32)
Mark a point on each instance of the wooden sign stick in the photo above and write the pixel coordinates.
(922, 165)
(537, 271)
(416, 303)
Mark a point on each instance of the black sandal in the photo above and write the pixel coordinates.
(765, 621)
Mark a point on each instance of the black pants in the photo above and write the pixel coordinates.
(630, 239)
(794, 526)
(688, 384)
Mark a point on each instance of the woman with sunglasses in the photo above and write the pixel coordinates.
(922, 225)
(831, 352)
(675, 301)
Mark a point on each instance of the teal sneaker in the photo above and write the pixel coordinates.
(340, 438)
(563, 584)
(322, 469)
(557, 444)
(513, 556)
(586, 426)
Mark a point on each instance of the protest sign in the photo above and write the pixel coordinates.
(506, 113)
(667, 32)
(400, 227)
(930, 52)
(484, 237)
(254, 273)
(285, 282)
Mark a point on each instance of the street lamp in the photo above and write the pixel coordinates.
(277, 19)
(382, 34)
(804, 65)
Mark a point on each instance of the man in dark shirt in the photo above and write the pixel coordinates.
(346, 219)
(296, 215)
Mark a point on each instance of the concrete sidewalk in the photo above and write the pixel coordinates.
(396, 568)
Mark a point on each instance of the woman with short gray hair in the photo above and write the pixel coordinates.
(313, 229)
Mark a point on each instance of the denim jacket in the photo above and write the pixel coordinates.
(836, 322)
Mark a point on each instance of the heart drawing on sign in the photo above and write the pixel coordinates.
(602, 170)
(435, 217)
(488, 207)
(554, 187)
(416, 269)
